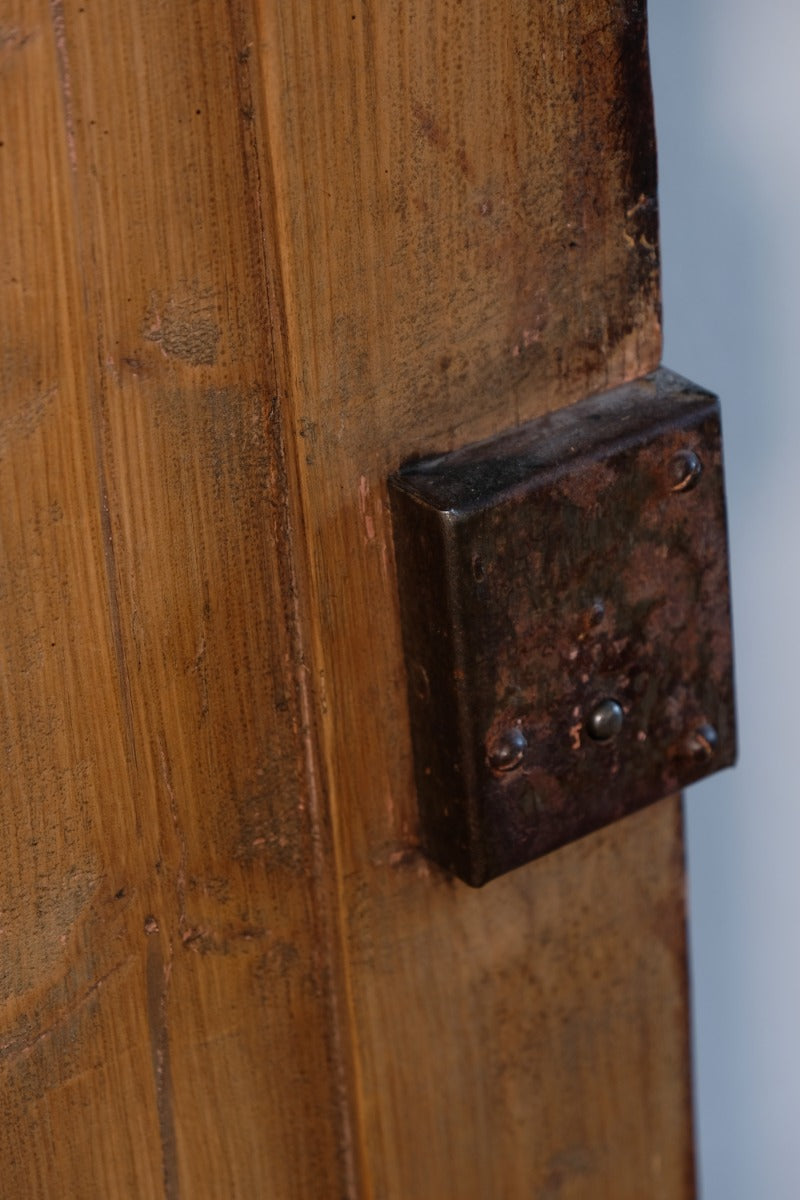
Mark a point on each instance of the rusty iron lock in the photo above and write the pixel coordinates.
(566, 622)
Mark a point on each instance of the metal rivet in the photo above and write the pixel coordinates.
(597, 612)
(605, 721)
(507, 751)
(685, 469)
(702, 743)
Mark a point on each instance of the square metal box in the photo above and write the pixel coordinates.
(566, 622)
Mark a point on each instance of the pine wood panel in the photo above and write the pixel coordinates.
(258, 254)
(69, 977)
(167, 1024)
(461, 197)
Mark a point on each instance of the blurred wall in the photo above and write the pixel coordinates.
(727, 91)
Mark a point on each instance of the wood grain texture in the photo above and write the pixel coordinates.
(167, 1022)
(461, 200)
(254, 256)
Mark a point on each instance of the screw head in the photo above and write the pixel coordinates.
(685, 469)
(597, 612)
(605, 720)
(701, 744)
(506, 751)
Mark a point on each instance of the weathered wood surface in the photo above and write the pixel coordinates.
(255, 257)
(166, 993)
(461, 201)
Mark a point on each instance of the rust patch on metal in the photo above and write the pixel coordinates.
(549, 578)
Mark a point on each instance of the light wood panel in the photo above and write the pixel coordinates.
(254, 255)
(167, 1017)
(462, 204)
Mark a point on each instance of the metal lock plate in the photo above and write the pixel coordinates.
(566, 621)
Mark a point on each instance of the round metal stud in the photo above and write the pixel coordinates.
(597, 612)
(507, 750)
(702, 743)
(685, 470)
(605, 721)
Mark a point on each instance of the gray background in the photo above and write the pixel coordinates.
(726, 77)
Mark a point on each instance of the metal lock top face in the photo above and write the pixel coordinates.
(566, 621)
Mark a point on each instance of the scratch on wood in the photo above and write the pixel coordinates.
(186, 934)
(12, 40)
(158, 978)
(367, 517)
(21, 1045)
(60, 35)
